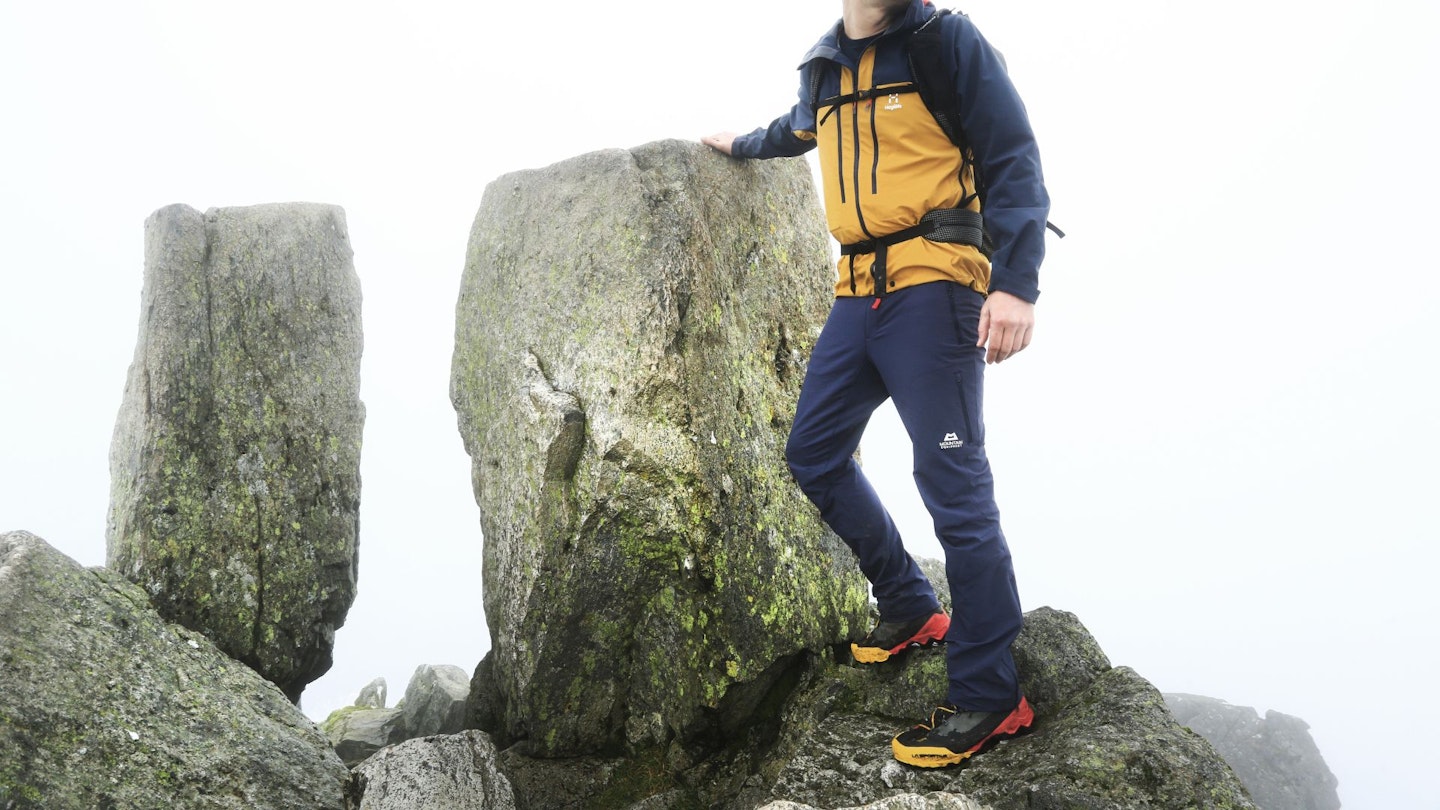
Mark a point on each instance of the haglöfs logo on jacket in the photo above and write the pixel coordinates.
(893, 103)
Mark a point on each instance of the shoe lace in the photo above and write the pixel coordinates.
(938, 716)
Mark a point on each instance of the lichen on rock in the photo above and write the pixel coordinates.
(630, 336)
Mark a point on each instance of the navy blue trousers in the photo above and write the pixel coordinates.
(917, 348)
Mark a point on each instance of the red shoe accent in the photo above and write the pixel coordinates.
(915, 748)
(932, 632)
(1019, 719)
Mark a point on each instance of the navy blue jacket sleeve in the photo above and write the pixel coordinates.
(780, 138)
(998, 128)
(776, 140)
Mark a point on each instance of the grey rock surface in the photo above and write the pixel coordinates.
(904, 801)
(1056, 656)
(374, 695)
(1057, 659)
(1054, 653)
(482, 705)
(357, 733)
(1103, 737)
(455, 772)
(103, 704)
(434, 704)
(435, 700)
(1114, 744)
(1106, 740)
(630, 336)
(235, 480)
(1275, 757)
(588, 781)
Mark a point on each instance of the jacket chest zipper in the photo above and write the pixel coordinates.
(855, 131)
(875, 152)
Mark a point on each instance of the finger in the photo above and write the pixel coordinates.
(1017, 340)
(1006, 341)
(1007, 346)
(997, 345)
(984, 329)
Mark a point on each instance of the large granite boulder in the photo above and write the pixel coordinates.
(454, 772)
(235, 465)
(103, 704)
(434, 701)
(1275, 757)
(358, 732)
(630, 338)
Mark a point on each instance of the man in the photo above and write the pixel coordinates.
(919, 311)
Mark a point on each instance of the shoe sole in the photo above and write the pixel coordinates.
(922, 756)
(932, 634)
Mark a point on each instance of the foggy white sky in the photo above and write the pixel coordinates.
(1219, 452)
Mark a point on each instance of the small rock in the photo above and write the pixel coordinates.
(373, 695)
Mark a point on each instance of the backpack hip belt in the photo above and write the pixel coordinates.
(959, 226)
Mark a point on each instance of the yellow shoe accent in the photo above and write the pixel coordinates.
(869, 655)
(927, 756)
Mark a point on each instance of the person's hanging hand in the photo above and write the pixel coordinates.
(1007, 323)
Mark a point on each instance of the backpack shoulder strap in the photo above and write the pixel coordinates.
(936, 75)
(814, 86)
(933, 68)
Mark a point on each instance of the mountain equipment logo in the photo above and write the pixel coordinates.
(951, 441)
(894, 102)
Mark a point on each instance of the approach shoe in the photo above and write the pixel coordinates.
(951, 736)
(890, 638)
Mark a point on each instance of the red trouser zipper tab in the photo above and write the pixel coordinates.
(875, 305)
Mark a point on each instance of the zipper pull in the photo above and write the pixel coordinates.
(875, 305)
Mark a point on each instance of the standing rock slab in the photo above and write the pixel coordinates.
(235, 464)
(104, 704)
(630, 338)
